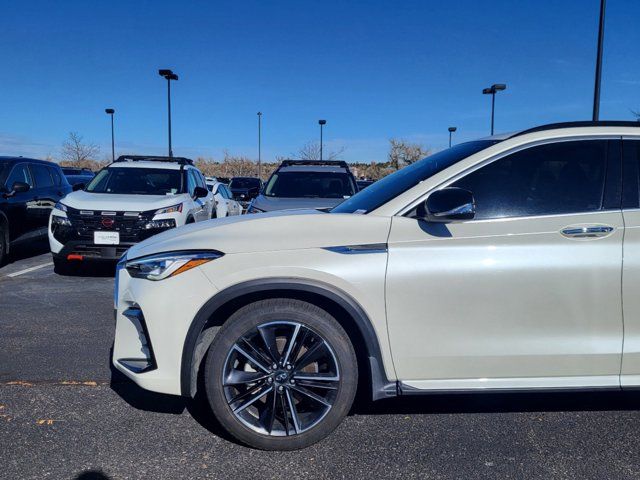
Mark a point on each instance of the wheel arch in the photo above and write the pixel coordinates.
(342, 306)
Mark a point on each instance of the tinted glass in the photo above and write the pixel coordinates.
(19, 173)
(240, 182)
(631, 172)
(398, 182)
(136, 181)
(310, 185)
(558, 178)
(55, 175)
(225, 192)
(42, 176)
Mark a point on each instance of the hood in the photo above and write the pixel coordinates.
(269, 204)
(82, 200)
(263, 232)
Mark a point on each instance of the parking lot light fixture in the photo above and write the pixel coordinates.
(111, 111)
(451, 130)
(496, 87)
(322, 123)
(168, 75)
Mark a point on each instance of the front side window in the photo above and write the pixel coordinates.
(42, 176)
(552, 179)
(302, 184)
(136, 181)
(388, 188)
(19, 173)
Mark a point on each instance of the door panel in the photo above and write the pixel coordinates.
(526, 301)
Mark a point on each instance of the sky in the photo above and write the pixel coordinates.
(374, 70)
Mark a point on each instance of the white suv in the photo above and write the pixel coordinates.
(128, 201)
(493, 265)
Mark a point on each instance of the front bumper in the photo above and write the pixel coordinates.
(152, 321)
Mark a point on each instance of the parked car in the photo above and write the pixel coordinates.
(225, 205)
(76, 176)
(245, 189)
(305, 184)
(494, 265)
(29, 189)
(362, 184)
(225, 180)
(130, 200)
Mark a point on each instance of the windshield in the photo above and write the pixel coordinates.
(310, 185)
(398, 182)
(137, 181)
(244, 183)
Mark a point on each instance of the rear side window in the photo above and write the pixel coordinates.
(57, 180)
(631, 168)
(42, 176)
(20, 173)
(557, 178)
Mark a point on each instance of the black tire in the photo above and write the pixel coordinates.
(214, 213)
(295, 406)
(4, 247)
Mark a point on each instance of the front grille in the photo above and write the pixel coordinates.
(130, 225)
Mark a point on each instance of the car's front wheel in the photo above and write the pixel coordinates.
(281, 374)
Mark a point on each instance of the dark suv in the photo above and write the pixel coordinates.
(29, 189)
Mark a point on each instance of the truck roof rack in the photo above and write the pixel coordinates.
(153, 158)
(586, 123)
(334, 163)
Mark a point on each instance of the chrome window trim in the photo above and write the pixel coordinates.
(548, 141)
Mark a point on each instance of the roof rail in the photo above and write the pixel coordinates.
(153, 158)
(585, 123)
(335, 163)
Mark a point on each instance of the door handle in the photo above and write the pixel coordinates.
(591, 231)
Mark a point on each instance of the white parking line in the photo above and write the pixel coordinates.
(30, 269)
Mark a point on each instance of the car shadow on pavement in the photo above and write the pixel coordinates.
(92, 475)
(502, 403)
(25, 250)
(89, 269)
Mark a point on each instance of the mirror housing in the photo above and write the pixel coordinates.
(78, 186)
(20, 187)
(200, 192)
(450, 204)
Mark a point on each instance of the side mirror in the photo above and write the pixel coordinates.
(20, 187)
(449, 205)
(78, 186)
(200, 192)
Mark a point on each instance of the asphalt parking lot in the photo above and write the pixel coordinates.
(63, 414)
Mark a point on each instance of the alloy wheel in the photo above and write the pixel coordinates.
(280, 378)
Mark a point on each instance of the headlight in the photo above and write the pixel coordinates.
(169, 264)
(60, 206)
(58, 220)
(171, 209)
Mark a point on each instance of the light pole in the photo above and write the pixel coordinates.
(169, 75)
(322, 123)
(111, 111)
(259, 143)
(596, 89)
(451, 130)
(496, 87)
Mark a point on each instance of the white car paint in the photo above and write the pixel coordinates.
(193, 209)
(467, 305)
(225, 205)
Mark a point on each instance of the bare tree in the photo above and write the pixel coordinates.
(403, 153)
(311, 151)
(636, 113)
(77, 153)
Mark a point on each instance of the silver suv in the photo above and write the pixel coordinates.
(317, 184)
